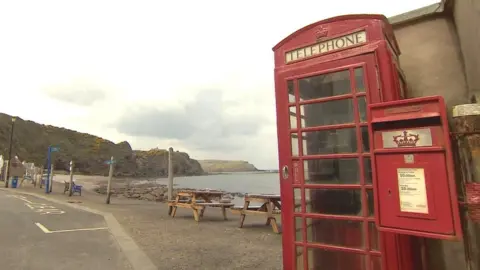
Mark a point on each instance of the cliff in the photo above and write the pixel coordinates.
(31, 141)
(217, 166)
(154, 162)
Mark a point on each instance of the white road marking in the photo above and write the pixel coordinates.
(20, 198)
(84, 229)
(50, 212)
(45, 230)
(42, 208)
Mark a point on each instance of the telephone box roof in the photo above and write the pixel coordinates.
(337, 19)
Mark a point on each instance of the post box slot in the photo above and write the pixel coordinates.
(403, 117)
(403, 124)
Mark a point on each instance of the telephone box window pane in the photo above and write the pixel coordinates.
(330, 141)
(359, 81)
(330, 259)
(298, 229)
(367, 170)
(347, 202)
(299, 258)
(291, 92)
(376, 263)
(362, 109)
(297, 193)
(293, 117)
(374, 236)
(325, 85)
(365, 139)
(371, 203)
(294, 140)
(328, 113)
(344, 233)
(331, 171)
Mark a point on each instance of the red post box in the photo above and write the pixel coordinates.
(413, 171)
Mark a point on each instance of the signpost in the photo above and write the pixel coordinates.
(49, 167)
(170, 178)
(70, 190)
(110, 176)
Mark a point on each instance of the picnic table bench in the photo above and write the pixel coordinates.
(199, 200)
(270, 208)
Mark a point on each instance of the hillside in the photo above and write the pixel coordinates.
(31, 141)
(217, 166)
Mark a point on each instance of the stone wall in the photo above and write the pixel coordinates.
(466, 15)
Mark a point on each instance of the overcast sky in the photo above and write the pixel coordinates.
(194, 75)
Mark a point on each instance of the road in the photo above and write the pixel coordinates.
(36, 234)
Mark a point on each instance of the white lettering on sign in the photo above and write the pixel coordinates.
(412, 190)
(327, 46)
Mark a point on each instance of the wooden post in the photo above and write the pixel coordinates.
(6, 172)
(110, 176)
(38, 176)
(51, 179)
(34, 174)
(70, 189)
(466, 126)
(170, 178)
(42, 171)
(34, 177)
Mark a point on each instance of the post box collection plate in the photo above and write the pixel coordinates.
(413, 170)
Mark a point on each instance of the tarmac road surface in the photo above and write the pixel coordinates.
(36, 234)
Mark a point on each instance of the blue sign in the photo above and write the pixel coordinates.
(49, 160)
(108, 162)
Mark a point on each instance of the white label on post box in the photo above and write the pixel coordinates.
(412, 190)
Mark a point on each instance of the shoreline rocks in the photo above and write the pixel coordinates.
(149, 192)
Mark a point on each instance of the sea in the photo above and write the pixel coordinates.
(244, 182)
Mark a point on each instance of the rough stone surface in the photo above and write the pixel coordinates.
(146, 192)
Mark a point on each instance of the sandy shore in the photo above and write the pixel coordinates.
(89, 182)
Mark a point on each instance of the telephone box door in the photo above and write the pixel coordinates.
(328, 216)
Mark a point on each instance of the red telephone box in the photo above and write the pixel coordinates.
(415, 190)
(326, 74)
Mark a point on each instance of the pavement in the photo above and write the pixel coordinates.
(38, 234)
(150, 239)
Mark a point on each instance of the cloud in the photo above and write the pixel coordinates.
(105, 67)
(208, 122)
(79, 91)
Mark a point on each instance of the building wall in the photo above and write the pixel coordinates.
(433, 65)
(431, 59)
(466, 14)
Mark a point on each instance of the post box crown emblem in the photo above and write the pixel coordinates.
(406, 139)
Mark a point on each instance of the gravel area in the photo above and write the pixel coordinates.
(181, 243)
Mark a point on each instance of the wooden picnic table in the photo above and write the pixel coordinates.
(270, 207)
(199, 200)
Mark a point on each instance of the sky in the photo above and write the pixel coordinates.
(193, 75)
